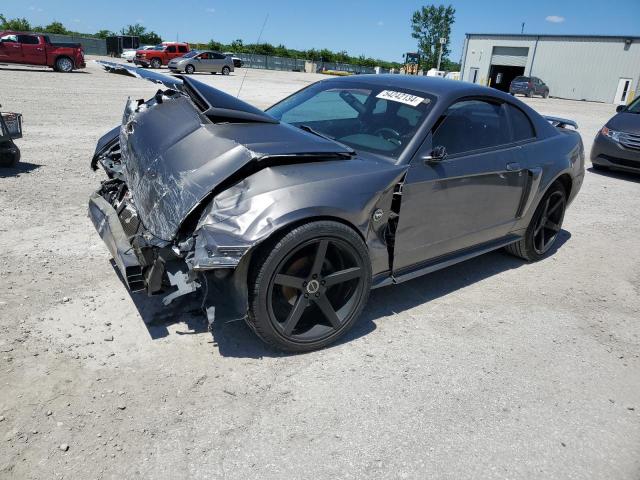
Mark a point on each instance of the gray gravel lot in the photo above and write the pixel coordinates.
(490, 369)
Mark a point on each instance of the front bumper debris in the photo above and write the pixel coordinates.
(106, 221)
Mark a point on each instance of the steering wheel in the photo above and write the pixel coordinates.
(389, 134)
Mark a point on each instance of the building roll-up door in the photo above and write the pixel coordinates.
(510, 56)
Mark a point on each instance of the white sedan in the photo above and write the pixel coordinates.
(130, 53)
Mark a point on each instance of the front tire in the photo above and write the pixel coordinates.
(545, 225)
(63, 65)
(308, 288)
(156, 63)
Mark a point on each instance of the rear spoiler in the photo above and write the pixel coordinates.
(561, 122)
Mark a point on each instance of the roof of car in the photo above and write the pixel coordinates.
(440, 87)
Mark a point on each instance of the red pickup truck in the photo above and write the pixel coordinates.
(35, 49)
(160, 54)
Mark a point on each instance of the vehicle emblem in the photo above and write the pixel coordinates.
(377, 215)
(313, 286)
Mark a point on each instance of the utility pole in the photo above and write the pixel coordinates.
(442, 42)
(522, 29)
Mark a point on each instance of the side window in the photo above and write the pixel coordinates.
(9, 38)
(28, 39)
(204, 56)
(182, 48)
(171, 49)
(520, 124)
(219, 56)
(471, 125)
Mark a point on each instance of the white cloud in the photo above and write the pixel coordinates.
(35, 9)
(380, 23)
(554, 19)
(210, 10)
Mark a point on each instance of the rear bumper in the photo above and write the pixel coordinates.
(608, 153)
(105, 220)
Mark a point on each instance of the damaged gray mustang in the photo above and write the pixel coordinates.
(288, 217)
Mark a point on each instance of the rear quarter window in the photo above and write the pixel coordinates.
(521, 126)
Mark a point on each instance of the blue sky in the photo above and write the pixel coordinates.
(376, 28)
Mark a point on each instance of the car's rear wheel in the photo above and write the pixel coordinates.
(9, 155)
(226, 70)
(542, 232)
(530, 94)
(308, 288)
(156, 63)
(64, 65)
(545, 94)
(189, 69)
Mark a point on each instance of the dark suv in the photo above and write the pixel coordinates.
(528, 86)
(617, 144)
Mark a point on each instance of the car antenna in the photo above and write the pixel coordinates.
(257, 43)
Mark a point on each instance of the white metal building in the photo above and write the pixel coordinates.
(579, 67)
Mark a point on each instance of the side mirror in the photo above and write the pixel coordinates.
(621, 108)
(438, 154)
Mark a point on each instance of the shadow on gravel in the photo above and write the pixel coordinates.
(617, 174)
(39, 70)
(235, 338)
(19, 169)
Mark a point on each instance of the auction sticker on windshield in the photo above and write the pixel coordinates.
(401, 97)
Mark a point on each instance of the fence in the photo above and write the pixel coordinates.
(252, 60)
(91, 46)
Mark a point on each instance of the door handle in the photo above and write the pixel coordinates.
(513, 166)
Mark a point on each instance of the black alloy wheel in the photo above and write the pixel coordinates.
(549, 222)
(544, 227)
(311, 287)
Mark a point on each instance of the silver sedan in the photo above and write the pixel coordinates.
(202, 61)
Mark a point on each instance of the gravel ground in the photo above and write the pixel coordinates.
(490, 369)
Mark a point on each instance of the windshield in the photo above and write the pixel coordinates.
(190, 54)
(364, 117)
(634, 107)
(521, 79)
(157, 47)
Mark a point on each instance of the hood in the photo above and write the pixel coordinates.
(174, 156)
(625, 122)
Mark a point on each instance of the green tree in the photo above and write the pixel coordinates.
(237, 45)
(56, 27)
(136, 30)
(428, 25)
(150, 38)
(213, 45)
(104, 33)
(19, 24)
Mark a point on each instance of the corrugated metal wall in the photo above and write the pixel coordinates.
(578, 68)
(91, 46)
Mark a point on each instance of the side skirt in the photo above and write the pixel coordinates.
(444, 261)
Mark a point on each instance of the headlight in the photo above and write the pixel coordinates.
(612, 134)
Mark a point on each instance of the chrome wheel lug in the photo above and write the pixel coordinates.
(306, 295)
(314, 276)
(323, 282)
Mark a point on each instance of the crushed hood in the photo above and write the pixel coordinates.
(174, 155)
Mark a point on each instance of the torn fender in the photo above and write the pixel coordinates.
(249, 212)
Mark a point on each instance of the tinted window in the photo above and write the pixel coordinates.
(219, 56)
(521, 79)
(520, 124)
(28, 39)
(182, 48)
(471, 125)
(171, 49)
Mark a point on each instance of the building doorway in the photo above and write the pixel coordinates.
(622, 93)
(500, 76)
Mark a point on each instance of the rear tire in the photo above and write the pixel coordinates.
(308, 287)
(63, 65)
(9, 155)
(545, 225)
(545, 94)
(190, 69)
(226, 70)
(530, 94)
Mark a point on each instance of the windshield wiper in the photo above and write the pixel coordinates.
(307, 128)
